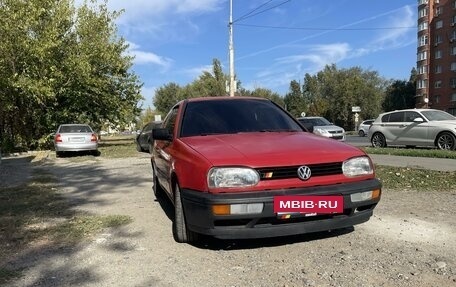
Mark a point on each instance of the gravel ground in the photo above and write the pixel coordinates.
(410, 241)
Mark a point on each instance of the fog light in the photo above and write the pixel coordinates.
(361, 196)
(245, 208)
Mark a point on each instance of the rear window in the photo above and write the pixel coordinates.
(393, 117)
(75, 129)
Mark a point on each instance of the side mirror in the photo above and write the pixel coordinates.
(308, 126)
(418, 120)
(161, 134)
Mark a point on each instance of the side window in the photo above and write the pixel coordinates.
(396, 117)
(410, 116)
(170, 120)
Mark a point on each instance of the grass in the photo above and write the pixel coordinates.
(415, 179)
(37, 214)
(414, 152)
(118, 146)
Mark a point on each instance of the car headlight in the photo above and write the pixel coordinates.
(357, 166)
(322, 132)
(232, 177)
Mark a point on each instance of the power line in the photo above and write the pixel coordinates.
(249, 15)
(324, 29)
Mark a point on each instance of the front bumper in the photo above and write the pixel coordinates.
(200, 219)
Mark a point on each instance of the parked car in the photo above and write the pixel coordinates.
(144, 136)
(75, 138)
(364, 126)
(241, 167)
(323, 127)
(414, 127)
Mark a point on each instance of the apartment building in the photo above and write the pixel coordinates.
(436, 55)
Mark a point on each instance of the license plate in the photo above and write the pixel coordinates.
(77, 140)
(308, 204)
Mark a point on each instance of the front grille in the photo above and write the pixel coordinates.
(336, 132)
(322, 169)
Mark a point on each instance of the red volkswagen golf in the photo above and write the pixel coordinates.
(239, 167)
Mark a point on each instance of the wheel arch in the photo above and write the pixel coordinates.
(442, 132)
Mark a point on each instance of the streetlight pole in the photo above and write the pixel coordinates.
(231, 50)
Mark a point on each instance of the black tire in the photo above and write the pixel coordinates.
(158, 190)
(180, 231)
(446, 141)
(361, 133)
(378, 140)
(58, 154)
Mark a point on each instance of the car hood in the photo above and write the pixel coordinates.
(270, 149)
(329, 128)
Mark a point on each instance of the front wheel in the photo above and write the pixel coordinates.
(180, 230)
(361, 133)
(446, 141)
(378, 140)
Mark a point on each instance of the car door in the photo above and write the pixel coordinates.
(392, 127)
(161, 153)
(416, 133)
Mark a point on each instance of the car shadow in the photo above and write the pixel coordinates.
(212, 243)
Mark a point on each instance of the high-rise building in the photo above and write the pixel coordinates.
(436, 55)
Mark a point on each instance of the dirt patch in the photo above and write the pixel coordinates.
(408, 242)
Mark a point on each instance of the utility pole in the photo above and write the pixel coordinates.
(231, 50)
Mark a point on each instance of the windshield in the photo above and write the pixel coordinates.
(235, 116)
(438, 116)
(316, 121)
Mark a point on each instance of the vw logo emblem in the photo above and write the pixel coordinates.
(304, 172)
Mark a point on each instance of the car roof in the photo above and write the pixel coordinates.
(412, 110)
(309, 118)
(224, 98)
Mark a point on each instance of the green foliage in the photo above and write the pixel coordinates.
(332, 93)
(208, 84)
(167, 96)
(400, 95)
(59, 64)
(294, 100)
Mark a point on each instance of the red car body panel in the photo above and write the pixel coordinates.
(257, 150)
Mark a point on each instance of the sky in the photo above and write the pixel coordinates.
(275, 41)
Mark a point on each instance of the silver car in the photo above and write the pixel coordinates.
(75, 137)
(414, 127)
(364, 126)
(321, 126)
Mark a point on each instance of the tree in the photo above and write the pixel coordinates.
(59, 64)
(332, 92)
(399, 95)
(294, 101)
(167, 96)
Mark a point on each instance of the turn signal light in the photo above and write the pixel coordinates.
(376, 193)
(221, 209)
